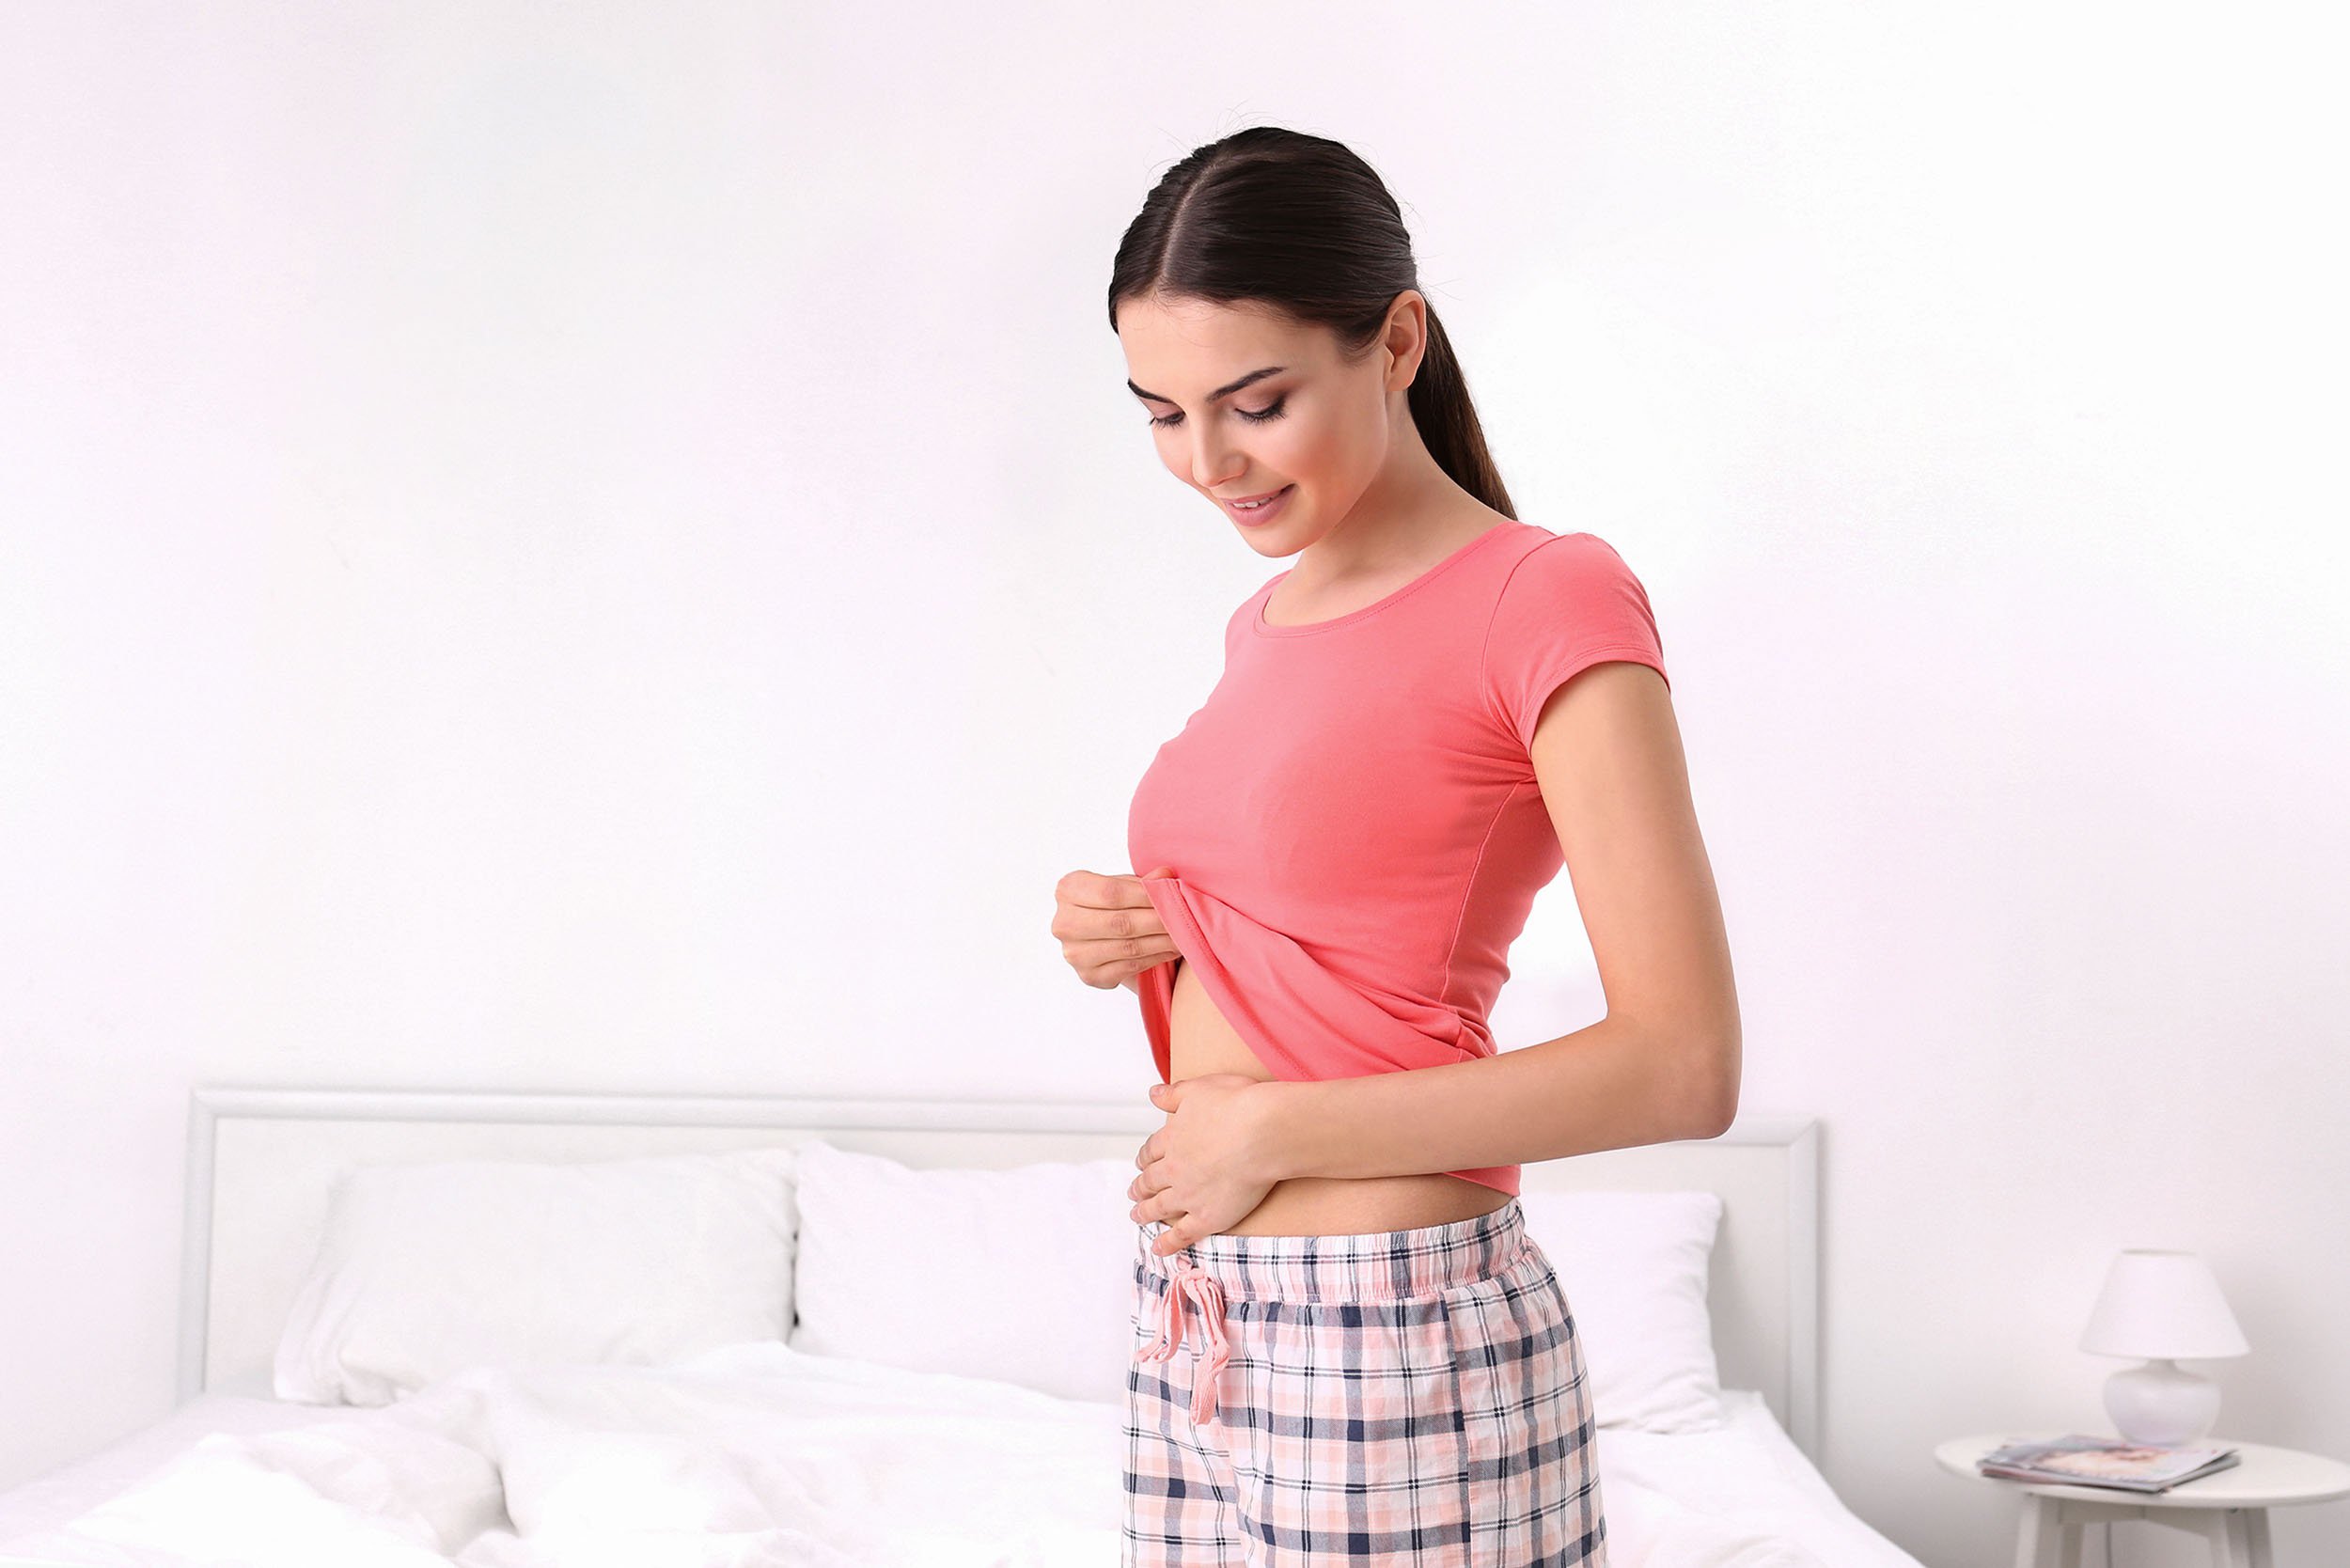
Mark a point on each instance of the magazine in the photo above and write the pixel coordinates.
(2078, 1460)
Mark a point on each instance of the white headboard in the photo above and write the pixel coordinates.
(261, 1163)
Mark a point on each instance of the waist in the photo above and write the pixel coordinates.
(1203, 1042)
(1353, 1267)
(1325, 1206)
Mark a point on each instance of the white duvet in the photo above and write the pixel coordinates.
(757, 1455)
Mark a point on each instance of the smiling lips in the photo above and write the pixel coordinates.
(1264, 505)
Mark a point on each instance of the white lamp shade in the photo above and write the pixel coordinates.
(2162, 1306)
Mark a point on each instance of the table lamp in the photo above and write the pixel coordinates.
(2159, 1306)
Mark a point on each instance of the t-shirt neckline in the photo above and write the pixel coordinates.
(1264, 628)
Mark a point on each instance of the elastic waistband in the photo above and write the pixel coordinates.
(1375, 1265)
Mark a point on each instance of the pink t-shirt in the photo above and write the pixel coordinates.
(1354, 827)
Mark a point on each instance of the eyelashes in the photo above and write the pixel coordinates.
(1254, 416)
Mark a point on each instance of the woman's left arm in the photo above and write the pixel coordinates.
(1662, 1065)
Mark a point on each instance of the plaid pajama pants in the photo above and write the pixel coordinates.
(1398, 1397)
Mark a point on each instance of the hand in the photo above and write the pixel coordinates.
(1212, 1164)
(1108, 931)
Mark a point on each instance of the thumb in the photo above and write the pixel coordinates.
(1157, 870)
(1166, 1096)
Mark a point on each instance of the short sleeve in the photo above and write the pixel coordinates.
(1569, 603)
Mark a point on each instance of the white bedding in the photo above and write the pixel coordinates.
(755, 1455)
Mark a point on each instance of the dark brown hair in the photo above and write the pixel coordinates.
(1297, 222)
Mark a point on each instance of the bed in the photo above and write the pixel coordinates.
(528, 1330)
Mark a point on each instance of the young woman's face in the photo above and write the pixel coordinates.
(1242, 404)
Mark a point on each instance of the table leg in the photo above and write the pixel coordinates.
(2036, 1533)
(2224, 1529)
(2256, 1536)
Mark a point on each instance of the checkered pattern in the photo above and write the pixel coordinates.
(1402, 1397)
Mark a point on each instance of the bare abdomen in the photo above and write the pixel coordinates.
(1202, 1041)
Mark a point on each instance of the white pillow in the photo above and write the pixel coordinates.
(427, 1269)
(1633, 1267)
(1025, 1275)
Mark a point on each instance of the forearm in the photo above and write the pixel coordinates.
(1610, 1085)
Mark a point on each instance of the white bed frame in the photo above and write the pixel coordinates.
(261, 1163)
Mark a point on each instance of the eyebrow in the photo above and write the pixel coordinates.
(1224, 391)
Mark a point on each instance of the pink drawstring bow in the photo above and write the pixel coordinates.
(1208, 1297)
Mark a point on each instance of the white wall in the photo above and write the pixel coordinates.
(602, 547)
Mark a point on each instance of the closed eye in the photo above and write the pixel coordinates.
(1254, 416)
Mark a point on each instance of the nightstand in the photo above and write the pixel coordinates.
(2228, 1509)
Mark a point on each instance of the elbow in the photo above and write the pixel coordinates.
(1693, 1090)
(1717, 1114)
(1710, 1092)
(1709, 1116)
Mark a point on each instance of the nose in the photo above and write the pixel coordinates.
(1208, 464)
(1207, 1297)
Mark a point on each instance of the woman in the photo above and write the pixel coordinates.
(1348, 1349)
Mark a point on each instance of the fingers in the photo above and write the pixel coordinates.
(1156, 948)
(1077, 919)
(1093, 890)
(1152, 1208)
(1110, 961)
(1108, 930)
